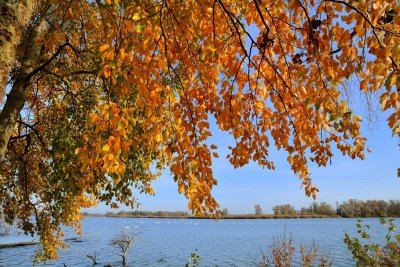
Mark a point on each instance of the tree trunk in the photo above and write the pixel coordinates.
(14, 18)
(17, 96)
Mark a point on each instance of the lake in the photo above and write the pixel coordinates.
(169, 242)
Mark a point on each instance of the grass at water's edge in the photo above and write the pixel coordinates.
(30, 243)
(19, 244)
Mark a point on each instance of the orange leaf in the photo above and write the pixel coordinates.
(103, 48)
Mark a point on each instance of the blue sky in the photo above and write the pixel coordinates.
(240, 189)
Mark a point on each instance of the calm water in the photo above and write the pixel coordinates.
(169, 242)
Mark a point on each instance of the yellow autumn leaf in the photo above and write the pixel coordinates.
(136, 16)
(105, 148)
(357, 119)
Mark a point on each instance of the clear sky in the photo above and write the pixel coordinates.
(240, 189)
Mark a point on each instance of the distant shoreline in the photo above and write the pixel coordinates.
(239, 216)
(351, 208)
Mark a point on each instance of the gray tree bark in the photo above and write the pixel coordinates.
(17, 96)
(14, 18)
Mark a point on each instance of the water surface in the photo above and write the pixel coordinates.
(169, 242)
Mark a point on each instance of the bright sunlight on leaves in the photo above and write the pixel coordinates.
(99, 92)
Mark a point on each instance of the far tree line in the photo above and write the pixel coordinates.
(349, 208)
(139, 213)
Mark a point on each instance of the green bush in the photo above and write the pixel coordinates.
(367, 253)
(194, 260)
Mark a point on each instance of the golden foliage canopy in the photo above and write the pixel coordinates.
(104, 94)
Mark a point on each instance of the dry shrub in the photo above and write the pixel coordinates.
(281, 254)
(310, 255)
(282, 250)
